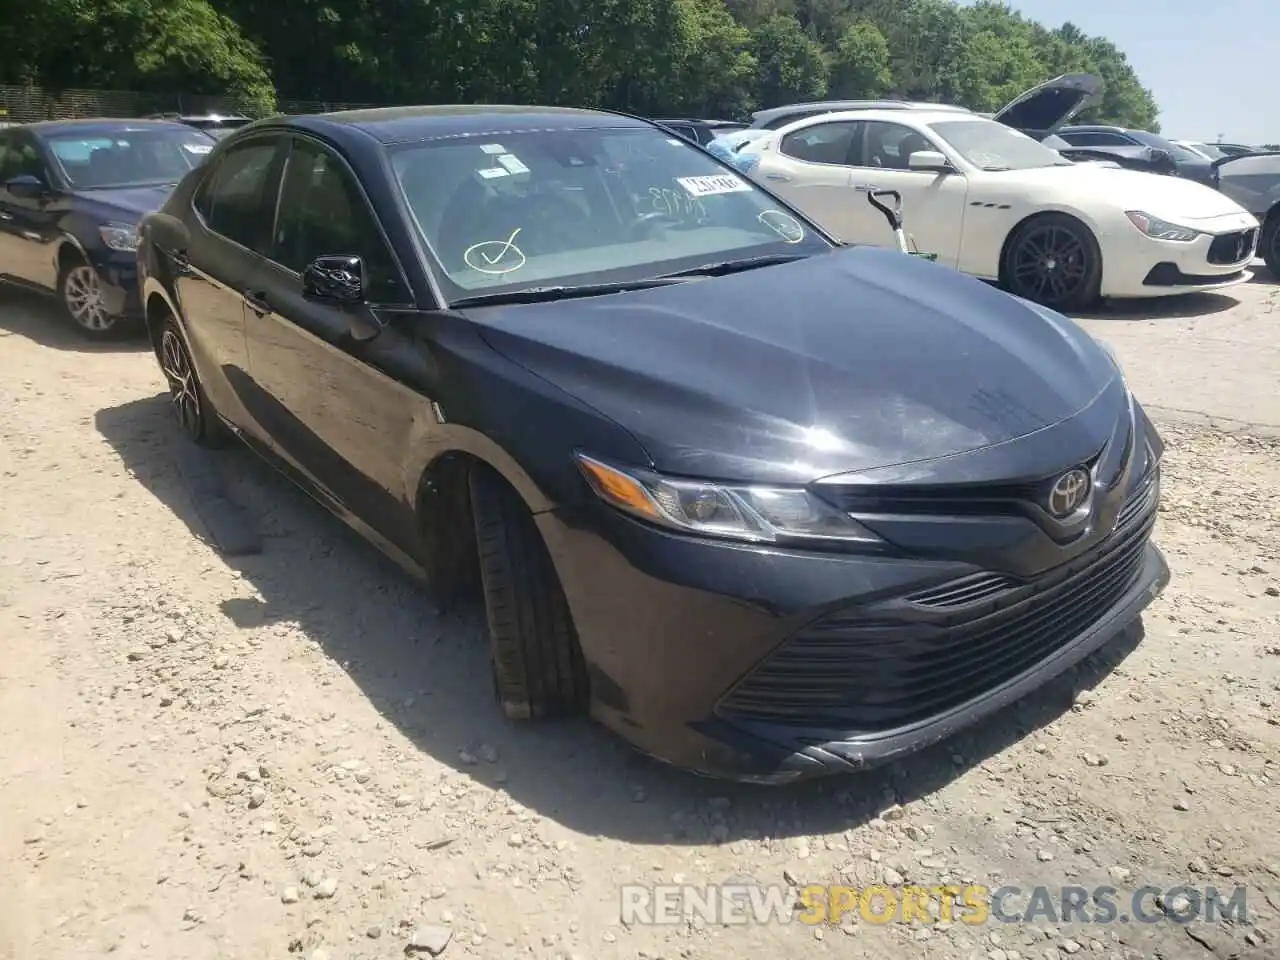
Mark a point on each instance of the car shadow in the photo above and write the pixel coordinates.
(1181, 307)
(425, 668)
(26, 313)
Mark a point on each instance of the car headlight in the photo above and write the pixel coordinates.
(119, 236)
(1158, 229)
(758, 514)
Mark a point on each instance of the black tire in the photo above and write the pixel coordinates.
(80, 298)
(1269, 243)
(1054, 260)
(538, 669)
(195, 415)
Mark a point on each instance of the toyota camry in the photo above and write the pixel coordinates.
(767, 507)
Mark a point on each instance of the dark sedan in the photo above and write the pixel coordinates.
(71, 195)
(766, 507)
(1181, 161)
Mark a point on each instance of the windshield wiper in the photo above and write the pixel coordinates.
(734, 266)
(548, 294)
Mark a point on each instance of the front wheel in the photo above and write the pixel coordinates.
(1269, 243)
(538, 669)
(80, 293)
(1053, 260)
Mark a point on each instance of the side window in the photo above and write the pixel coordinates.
(19, 157)
(237, 197)
(822, 142)
(322, 212)
(889, 145)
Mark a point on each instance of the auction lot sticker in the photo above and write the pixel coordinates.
(712, 186)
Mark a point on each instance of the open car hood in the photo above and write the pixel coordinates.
(1045, 108)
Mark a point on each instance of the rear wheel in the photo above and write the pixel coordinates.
(1053, 260)
(538, 669)
(1269, 243)
(191, 407)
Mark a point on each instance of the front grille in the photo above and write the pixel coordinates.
(872, 669)
(1233, 247)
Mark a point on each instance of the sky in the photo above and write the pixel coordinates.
(1212, 64)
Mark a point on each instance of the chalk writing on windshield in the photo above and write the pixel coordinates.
(495, 257)
(783, 224)
(676, 203)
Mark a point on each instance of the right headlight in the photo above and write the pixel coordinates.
(1158, 229)
(758, 514)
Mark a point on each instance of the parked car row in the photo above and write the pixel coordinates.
(1053, 221)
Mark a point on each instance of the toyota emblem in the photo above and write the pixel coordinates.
(1068, 493)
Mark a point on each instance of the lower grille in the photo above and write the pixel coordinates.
(1233, 247)
(870, 670)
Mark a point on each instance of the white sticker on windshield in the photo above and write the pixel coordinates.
(198, 148)
(493, 148)
(711, 186)
(512, 163)
(489, 173)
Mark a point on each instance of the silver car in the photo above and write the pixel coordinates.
(1253, 181)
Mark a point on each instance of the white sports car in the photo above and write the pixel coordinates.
(993, 202)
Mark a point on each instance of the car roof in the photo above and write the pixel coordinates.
(761, 117)
(391, 125)
(892, 116)
(100, 125)
(1097, 128)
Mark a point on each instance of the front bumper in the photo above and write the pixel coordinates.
(118, 275)
(767, 666)
(1139, 266)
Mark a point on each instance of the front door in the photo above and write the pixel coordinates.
(344, 412)
(28, 226)
(933, 204)
(810, 169)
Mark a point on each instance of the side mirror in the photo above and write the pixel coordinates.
(1163, 160)
(27, 187)
(929, 161)
(339, 280)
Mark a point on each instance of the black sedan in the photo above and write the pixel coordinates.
(765, 507)
(71, 195)
(1141, 150)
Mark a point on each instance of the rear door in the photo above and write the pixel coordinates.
(811, 168)
(230, 231)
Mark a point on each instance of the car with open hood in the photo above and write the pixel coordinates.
(71, 195)
(765, 506)
(991, 200)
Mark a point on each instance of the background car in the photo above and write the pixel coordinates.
(1187, 163)
(1234, 149)
(992, 202)
(1253, 181)
(71, 194)
(1205, 150)
(661, 418)
(217, 125)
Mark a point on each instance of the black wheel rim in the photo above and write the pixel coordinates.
(182, 382)
(1049, 265)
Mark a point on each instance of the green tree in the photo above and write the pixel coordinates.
(791, 66)
(860, 63)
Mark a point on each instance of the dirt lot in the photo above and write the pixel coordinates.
(293, 753)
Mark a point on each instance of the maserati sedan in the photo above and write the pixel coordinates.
(767, 507)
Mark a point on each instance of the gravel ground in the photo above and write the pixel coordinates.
(293, 753)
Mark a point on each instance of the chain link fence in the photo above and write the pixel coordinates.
(32, 104)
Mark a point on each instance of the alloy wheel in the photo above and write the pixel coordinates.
(1049, 265)
(182, 383)
(82, 293)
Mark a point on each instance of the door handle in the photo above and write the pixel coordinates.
(866, 187)
(5, 216)
(782, 177)
(257, 301)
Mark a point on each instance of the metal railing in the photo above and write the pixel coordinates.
(32, 104)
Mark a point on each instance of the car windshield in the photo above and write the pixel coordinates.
(990, 145)
(1213, 153)
(1176, 150)
(129, 158)
(514, 210)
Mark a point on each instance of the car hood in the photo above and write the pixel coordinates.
(1044, 108)
(848, 361)
(1170, 198)
(127, 203)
